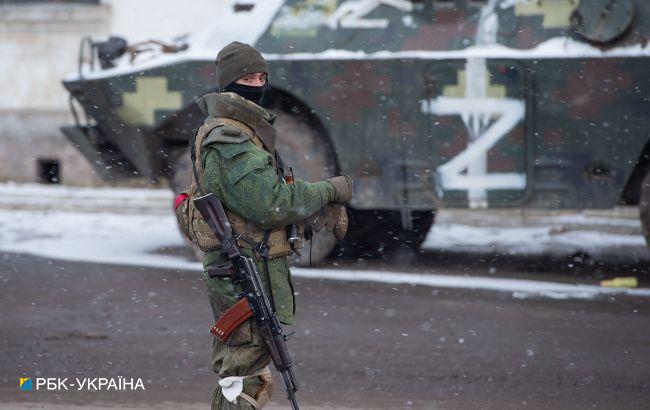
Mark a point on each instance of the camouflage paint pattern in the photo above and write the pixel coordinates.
(401, 111)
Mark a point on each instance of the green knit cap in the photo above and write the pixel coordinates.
(236, 60)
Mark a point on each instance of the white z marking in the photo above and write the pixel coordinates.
(509, 112)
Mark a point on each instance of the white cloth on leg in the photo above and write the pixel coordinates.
(231, 387)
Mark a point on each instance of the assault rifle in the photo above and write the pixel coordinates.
(254, 301)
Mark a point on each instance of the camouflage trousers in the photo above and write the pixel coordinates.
(240, 360)
(245, 352)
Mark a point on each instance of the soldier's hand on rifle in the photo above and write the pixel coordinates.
(342, 188)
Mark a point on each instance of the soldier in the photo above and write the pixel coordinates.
(238, 161)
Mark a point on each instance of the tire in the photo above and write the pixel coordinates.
(376, 234)
(311, 159)
(644, 208)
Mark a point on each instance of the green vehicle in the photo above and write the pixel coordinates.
(426, 104)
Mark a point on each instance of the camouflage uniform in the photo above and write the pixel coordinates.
(241, 168)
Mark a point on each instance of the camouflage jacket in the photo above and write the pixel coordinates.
(245, 178)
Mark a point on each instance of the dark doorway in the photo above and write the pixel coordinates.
(48, 171)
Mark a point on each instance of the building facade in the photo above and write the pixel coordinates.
(39, 46)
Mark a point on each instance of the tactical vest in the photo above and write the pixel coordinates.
(249, 235)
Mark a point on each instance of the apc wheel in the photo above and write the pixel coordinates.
(644, 208)
(312, 159)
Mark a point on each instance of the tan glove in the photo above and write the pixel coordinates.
(342, 188)
(334, 218)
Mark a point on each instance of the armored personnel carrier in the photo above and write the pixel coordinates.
(426, 104)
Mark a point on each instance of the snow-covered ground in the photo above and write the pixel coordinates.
(514, 232)
(133, 224)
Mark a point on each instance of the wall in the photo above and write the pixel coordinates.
(39, 45)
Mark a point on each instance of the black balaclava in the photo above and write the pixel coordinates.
(254, 94)
(235, 61)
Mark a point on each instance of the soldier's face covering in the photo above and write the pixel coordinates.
(253, 94)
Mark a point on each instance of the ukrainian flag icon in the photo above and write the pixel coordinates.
(25, 384)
